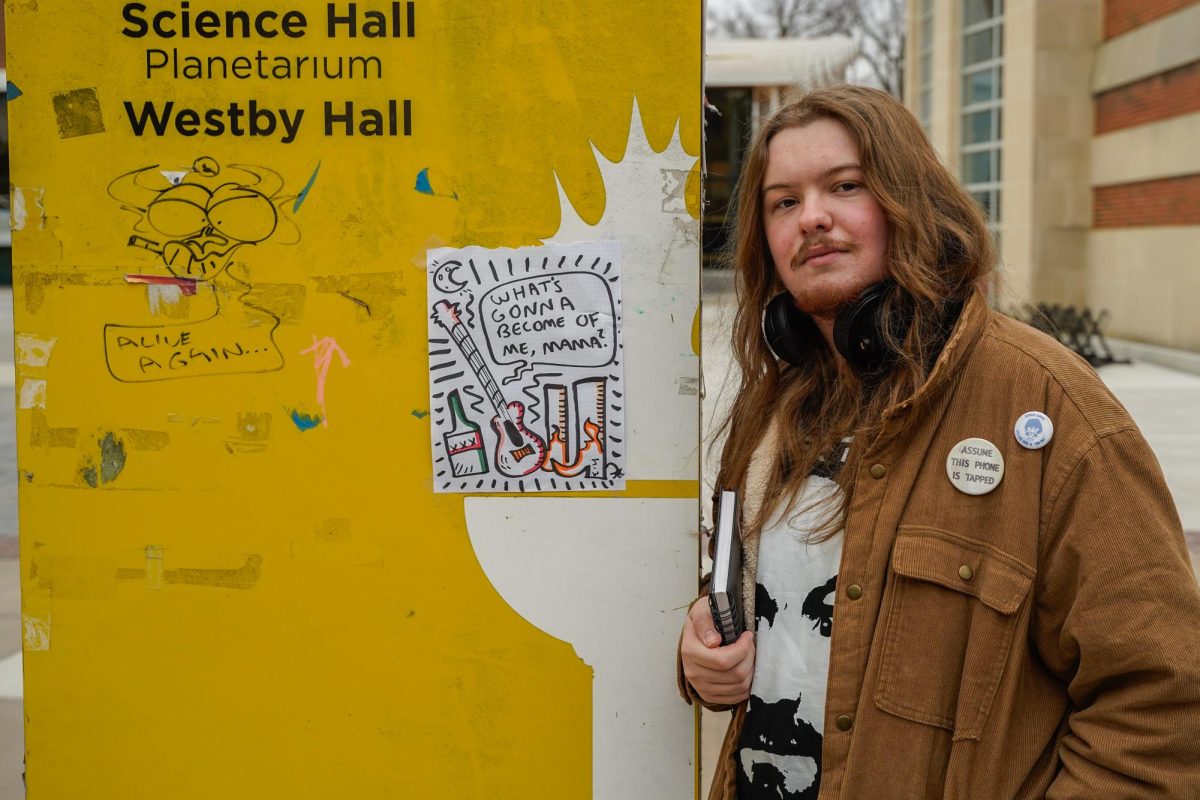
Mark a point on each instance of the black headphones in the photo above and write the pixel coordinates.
(858, 330)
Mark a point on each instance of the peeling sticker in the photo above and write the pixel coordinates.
(112, 458)
(36, 632)
(19, 214)
(185, 285)
(112, 462)
(39, 200)
(154, 566)
(33, 351)
(160, 295)
(283, 300)
(254, 426)
(78, 113)
(425, 187)
(33, 393)
(72, 576)
(244, 577)
(139, 439)
(17, 217)
(689, 385)
(674, 186)
(42, 435)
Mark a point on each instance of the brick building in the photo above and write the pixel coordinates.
(1076, 123)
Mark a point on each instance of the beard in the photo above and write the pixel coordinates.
(823, 292)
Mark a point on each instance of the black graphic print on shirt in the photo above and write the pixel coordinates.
(779, 756)
(817, 609)
(776, 729)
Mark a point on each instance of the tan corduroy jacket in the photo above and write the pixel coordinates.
(1038, 641)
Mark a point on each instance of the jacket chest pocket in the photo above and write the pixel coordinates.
(948, 630)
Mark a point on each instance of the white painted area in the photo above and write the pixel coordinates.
(8, 374)
(1165, 43)
(36, 632)
(1147, 152)
(32, 393)
(39, 200)
(660, 288)
(34, 351)
(12, 683)
(609, 576)
(160, 295)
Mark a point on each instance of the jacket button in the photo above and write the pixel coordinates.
(878, 471)
(845, 722)
(966, 573)
(854, 591)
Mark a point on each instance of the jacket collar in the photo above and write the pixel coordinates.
(966, 334)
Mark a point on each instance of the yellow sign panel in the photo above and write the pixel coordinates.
(237, 578)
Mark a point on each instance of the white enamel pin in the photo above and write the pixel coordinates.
(1033, 430)
(975, 466)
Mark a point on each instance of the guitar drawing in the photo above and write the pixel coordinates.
(519, 451)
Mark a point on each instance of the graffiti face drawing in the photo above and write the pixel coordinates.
(195, 220)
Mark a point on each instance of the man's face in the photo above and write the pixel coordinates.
(827, 234)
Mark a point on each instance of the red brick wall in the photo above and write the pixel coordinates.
(1168, 201)
(1167, 94)
(1121, 16)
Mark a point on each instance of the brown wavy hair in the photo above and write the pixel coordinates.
(939, 250)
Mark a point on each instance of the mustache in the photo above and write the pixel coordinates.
(821, 241)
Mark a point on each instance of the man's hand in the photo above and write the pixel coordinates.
(718, 674)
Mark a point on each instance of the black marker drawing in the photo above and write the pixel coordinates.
(519, 451)
(194, 221)
(556, 306)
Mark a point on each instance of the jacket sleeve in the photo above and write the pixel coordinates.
(1118, 619)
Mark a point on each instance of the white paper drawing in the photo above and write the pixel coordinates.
(526, 381)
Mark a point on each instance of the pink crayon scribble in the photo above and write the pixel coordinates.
(323, 351)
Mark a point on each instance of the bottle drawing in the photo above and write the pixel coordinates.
(464, 442)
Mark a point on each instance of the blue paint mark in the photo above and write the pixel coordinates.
(423, 182)
(305, 421)
(304, 192)
(419, 414)
(12, 92)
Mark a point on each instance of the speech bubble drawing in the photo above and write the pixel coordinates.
(564, 318)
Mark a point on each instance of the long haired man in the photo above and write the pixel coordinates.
(964, 576)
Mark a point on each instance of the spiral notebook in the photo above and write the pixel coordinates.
(725, 591)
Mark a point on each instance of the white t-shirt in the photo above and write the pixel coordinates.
(780, 746)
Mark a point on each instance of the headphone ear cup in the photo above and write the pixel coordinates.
(857, 331)
(785, 328)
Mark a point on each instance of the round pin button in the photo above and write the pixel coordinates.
(975, 466)
(1033, 430)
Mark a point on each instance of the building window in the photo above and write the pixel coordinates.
(925, 61)
(982, 102)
